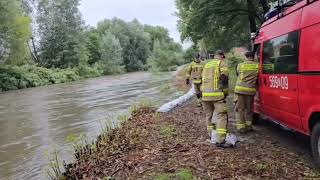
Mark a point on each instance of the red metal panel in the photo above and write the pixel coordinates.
(282, 26)
(311, 14)
(309, 97)
(310, 48)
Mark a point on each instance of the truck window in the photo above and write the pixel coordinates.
(256, 51)
(281, 54)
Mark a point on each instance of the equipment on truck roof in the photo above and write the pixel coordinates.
(279, 6)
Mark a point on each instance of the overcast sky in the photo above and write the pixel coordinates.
(152, 12)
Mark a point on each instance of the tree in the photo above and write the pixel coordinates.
(138, 50)
(14, 32)
(94, 46)
(29, 8)
(157, 33)
(111, 54)
(133, 39)
(190, 53)
(165, 55)
(62, 41)
(220, 24)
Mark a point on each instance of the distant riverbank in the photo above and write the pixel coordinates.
(27, 76)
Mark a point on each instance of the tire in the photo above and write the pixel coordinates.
(315, 144)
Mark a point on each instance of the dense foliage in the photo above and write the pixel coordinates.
(189, 54)
(165, 56)
(14, 77)
(233, 59)
(14, 32)
(62, 43)
(220, 24)
(46, 42)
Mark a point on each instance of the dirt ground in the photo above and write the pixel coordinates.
(175, 146)
(160, 146)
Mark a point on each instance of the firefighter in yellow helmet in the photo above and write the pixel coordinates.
(214, 79)
(245, 91)
(194, 72)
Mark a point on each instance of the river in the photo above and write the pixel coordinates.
(33, 121)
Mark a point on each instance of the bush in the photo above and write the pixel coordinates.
(89, 72)
(233, 60)
(19, 77)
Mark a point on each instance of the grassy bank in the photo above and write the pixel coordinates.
(174, 145)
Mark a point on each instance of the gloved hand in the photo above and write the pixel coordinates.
(187, 81)
(235, 99)
(224, 79)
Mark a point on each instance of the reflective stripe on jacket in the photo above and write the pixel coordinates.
(194, 72)
(247, 78)
(212, 89)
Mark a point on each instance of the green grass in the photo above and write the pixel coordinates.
(144, 103)
(185, 174)
(261, 167)
(162, 176)
(168, 132)
(182, 174)
(122, 118)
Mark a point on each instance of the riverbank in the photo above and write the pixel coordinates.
(174, 146)
(27, 76)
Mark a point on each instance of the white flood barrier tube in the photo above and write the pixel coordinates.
(177, 102)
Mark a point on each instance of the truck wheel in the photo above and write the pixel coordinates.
(315, 144)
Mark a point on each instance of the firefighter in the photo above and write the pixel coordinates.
(245, 91)
(225, 69)
(194, 72)
(214, 78)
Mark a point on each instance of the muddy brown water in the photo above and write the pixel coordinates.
(33, 121)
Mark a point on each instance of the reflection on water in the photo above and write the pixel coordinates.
(33, 121)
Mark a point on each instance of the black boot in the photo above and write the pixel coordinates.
(224, 145)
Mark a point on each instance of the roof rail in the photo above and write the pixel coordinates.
(277, 7)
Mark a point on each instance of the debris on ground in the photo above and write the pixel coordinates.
(166, 146)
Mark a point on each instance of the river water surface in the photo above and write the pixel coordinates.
(33, 121)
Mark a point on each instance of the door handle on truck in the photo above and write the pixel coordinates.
(265, 81)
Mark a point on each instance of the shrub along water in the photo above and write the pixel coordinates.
(19, 77)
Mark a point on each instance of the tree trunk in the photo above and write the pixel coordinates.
(252, 20)
(33, 51)
(251, 16)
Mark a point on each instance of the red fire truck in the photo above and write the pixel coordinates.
(288, 48)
